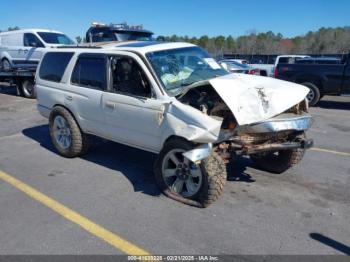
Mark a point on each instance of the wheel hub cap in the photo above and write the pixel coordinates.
(62, 132)
(180, 174)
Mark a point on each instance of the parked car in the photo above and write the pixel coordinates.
(268, 69)
(24, 48)
(240, 61)
(174, 100)
(321, 79)
(236, 67)
(319, 60)
(117, 32)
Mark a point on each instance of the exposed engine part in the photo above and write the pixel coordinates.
(298, 109)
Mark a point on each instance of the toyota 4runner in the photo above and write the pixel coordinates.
(174, 100)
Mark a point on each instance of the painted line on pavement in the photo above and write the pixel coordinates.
(69, 214)
(330, 151)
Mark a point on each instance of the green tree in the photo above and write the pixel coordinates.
(203, 41)
(230, 44)
(219, 42)
(13, 28)
(78, 39)
(160, 38)
(174, 38)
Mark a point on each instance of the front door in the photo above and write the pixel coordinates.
(32, 50)
(132, 112)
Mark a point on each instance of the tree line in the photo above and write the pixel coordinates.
(323, 41)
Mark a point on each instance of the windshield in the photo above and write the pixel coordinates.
(133, 36)
(55, 38)
(178, 68)
(235, 65)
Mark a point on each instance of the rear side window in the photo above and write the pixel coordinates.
(90, 72)
(53, 66)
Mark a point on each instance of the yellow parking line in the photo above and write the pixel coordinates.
(330, 151)
(88, 225)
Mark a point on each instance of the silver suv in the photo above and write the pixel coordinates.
(174, 100)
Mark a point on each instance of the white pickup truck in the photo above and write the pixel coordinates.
(269, 69)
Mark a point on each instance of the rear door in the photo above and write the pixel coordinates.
(88, 81)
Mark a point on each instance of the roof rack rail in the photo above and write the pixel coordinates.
(79, 46)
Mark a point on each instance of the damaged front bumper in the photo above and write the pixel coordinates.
(282, 122)
(272, 147)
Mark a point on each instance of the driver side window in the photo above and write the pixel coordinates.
(31, 40)
(127, 77)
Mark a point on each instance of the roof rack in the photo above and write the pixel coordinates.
(80, 46)
(118, 26)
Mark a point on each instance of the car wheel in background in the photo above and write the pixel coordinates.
(65, 133)
(314, 94)
(27, 88)
(279, 161)
(6, 65)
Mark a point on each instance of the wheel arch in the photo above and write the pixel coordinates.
(313, 79)
(175, 137)
(5, 55)
(70, 112)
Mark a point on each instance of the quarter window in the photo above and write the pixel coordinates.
(90, 72)
(53, 66)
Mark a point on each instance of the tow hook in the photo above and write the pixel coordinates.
(307, 143)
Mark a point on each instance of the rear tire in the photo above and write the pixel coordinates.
(280, 161)
(6, 65)
(314, 95)
(65, 133)
(209, 185)
(27, 88)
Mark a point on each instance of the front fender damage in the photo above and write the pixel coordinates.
(199, 153)
(187, 122)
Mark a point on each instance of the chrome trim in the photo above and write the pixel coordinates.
(281, 122)
(199, 152)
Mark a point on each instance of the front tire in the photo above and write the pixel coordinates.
(190, 183)
(65, 133)
(279, 161)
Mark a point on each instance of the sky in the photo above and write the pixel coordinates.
(181, 17)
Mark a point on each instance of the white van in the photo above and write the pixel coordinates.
(24, 48)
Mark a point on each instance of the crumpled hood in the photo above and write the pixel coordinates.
(254, 99)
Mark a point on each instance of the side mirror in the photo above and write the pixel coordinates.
(33, 44)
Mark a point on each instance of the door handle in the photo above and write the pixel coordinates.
(110, 105)
(70, 98)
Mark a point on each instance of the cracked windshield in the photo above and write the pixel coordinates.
(182, 67)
